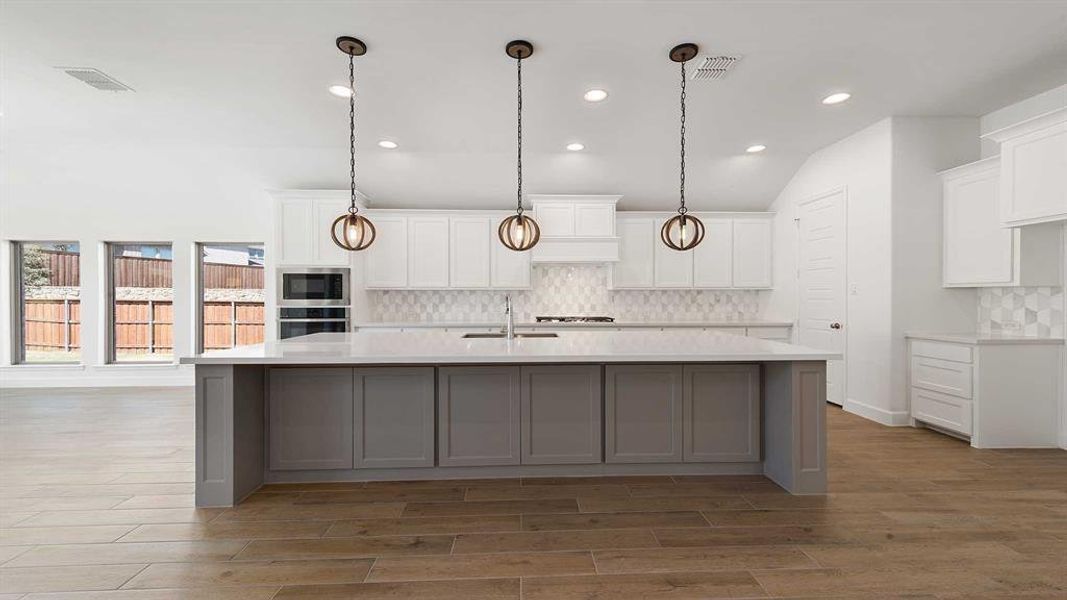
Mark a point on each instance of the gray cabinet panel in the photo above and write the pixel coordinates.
(393, 424)
(722, 413)
(478, 416)
(310, 418)
(560, 414)
(643, 413)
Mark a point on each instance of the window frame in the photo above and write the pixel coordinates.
(198, 288)
(110, 349)
(18, 306)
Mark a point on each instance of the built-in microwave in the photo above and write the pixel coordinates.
(313, 286)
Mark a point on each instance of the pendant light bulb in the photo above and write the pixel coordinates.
(519, 232)
(682, 231)
(352, 231)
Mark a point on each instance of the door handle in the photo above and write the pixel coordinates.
(835, 326)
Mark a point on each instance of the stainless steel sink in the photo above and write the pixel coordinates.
(500, 335)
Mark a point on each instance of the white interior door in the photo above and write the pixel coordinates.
(821, 282)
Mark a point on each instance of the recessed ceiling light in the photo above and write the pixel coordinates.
(575, 147)
(837, 98)
(755, 148)
(388, 144)
(341, 91)
(595, 95)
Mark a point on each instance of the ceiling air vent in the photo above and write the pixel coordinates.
(96, 78)
(714, 67)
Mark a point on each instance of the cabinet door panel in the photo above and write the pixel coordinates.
(394, 417)
(560, 414)
(752, 253)
(673, 268)
(293, 232)
(977, 249)
(713, 258)
(428, 248)
(328, 253)
(310, 418)
(594, 220)
(555, 219)
(470, 252)
(478, 416)
(635, 266)
(722, 413)
(511, 269)
(387, 258)
(1034, 176)
(643, 413)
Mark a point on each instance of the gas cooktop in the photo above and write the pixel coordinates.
(575, 319)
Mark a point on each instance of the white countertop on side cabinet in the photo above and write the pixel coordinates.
(529, 325)
(980, 339)
(449, 347)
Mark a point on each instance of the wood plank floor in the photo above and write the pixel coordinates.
(97, 502)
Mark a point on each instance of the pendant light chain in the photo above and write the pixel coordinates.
(352, 134)
(681, 180)
(518, 193)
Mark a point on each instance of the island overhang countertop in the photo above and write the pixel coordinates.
(449, 347)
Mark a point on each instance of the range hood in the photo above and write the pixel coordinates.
(575, 228)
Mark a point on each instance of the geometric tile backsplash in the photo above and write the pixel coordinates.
(1035, 311)
(565, 290)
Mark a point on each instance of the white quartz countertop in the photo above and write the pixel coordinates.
(529, 325)
(449, 347)
(980, 339)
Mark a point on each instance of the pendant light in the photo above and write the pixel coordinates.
(519, 232)
(352, 231)
(682, 231)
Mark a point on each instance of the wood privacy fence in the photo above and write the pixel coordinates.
(141, 326)
(131, 271)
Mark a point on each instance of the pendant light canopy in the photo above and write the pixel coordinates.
(682, 231)
(352, 231)
(519, 232)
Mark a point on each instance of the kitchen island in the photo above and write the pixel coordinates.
(441, 405)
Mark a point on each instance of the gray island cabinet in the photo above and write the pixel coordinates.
(424, 405)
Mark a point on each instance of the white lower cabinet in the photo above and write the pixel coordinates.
(999, 395)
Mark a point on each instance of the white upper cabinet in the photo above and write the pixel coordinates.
(753, 260)
(510, 269)
(428, 251)
(977, 250)
(672, 268)
(437, 250)
(575, 228)
(713, 259)
(386, 263)
(1033, 170)
(735, 254)
(471, 255)
(637, 237)
(302, 223)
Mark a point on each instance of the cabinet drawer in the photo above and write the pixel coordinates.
(769, 333)
(943, 410)
(943, 376)
(954, 352)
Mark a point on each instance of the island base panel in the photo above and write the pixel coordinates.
(233, 409)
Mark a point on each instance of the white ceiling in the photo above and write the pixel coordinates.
(251, 78)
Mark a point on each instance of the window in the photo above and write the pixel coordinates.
(49, 304)
(140, 303)
(231, 295)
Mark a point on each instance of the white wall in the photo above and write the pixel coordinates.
(893, 232)
(95, 194)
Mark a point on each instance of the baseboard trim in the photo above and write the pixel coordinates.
(35, 376)
(878, 415)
